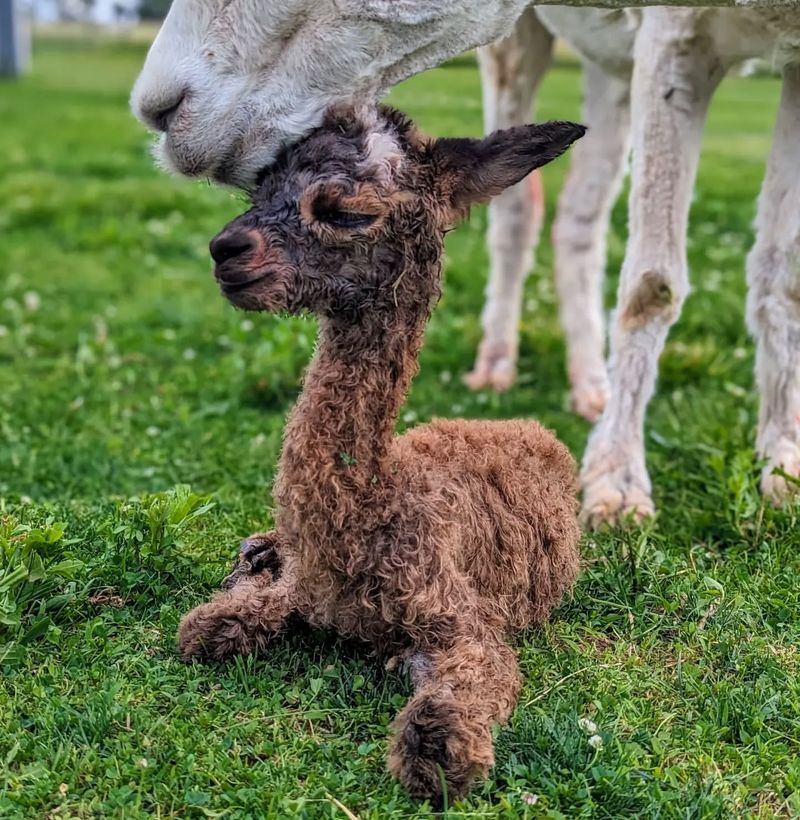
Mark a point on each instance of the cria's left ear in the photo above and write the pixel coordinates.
(473, 170)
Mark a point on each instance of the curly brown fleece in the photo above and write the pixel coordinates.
(436, 544)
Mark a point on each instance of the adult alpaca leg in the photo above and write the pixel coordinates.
(242, 619)
(511, 71)
(461, 691)
(773, 308)
(579, 233)
(675, 73)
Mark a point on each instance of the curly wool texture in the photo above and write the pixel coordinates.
(436, 544)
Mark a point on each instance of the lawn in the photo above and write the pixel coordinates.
(125, 380)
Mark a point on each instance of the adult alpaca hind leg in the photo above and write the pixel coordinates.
(774, 298)
(579, 233)
(511, 71)
(676, 71)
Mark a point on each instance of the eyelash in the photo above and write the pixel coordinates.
(348, 220)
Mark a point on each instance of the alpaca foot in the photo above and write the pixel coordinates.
(615, 495)
(225, 626)
(434, 745)
(257, 553)
(775, 487)
(589, 396)
(495, 367)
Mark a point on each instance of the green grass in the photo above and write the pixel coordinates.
(123, 374)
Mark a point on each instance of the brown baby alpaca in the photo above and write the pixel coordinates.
(437, 544)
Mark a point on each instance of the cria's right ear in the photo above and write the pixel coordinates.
(473, 170)
(406, 12)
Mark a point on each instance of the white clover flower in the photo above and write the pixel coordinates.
(189, 354)
(152, 431)
(142, 763)
(32, 300)
(246, 325)
(596, 742)
(530, 799)
(588, 726)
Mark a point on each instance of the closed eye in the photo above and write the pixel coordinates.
(338, 218)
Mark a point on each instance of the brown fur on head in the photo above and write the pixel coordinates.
(335, 220)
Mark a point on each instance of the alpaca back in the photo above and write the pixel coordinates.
(512, 490)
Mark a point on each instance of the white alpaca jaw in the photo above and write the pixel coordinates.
(211, 145)
(228, 84)
(223, 97)
(230, 142)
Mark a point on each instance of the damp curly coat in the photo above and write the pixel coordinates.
(434, 545)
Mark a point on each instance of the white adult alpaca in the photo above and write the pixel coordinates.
(228, 83)
(680, 57)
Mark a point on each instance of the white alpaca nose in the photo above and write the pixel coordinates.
(158, 112)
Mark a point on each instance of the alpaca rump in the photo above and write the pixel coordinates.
(434, 545)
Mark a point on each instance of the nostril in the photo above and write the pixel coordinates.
(161, 117)
(231, 244)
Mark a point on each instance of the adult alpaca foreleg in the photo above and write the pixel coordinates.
(675, 73)
(579, 233)
(773, 309)
(511, 71)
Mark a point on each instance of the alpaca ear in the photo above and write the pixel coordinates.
(405, 12)
(475, 170)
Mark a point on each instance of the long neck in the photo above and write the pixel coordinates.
(337, 440)
(344, 421)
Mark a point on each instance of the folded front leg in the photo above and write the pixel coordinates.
(445, 730)
(240, 620)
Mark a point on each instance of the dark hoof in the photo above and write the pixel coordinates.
(257, 554)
